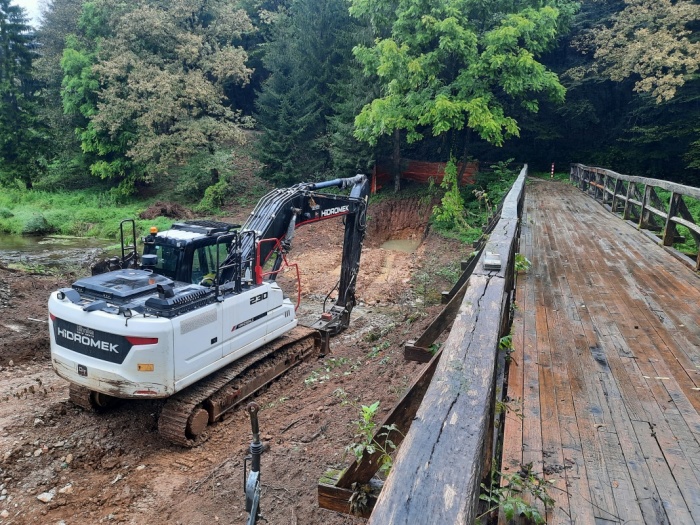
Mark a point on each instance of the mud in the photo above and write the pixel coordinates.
(59, 464)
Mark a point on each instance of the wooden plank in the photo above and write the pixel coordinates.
(441, 322)
(411, 352)
(683, 454)
(690, 225)
(661, 474)
(450, 423)
(572, 352)
(332, 497)
(456, 415)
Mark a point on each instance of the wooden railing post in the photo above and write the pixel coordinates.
(619, 186)
(644, 214)
(670, 229)
(652, 209)
(605, 188)
(627, 212)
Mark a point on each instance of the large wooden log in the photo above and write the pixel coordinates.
(438, 469)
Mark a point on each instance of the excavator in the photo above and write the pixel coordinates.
(199, 319)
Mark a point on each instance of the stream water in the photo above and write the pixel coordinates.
(402, 245)
(51, 251)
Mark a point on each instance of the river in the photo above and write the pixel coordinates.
(52, 251)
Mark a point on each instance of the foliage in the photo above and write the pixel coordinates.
(64, 158)
(377, 349)
(308, 64)
(21, 133)
(329, 370)
(506, 343)
(457, 63)
(522, 263)
(450, 213)
(76, 213)
(148, 78)
(653, 42)
(510, 497)
(365, 428)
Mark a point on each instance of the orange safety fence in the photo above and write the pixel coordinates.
(420, 171)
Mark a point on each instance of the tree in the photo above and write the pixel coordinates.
(160, 67)
(653, 42)
(20, 133)
(306, 62)
(66, 163)
(456, 64)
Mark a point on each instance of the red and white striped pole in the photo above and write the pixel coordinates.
(551, 174)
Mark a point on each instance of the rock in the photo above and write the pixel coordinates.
(141, 467)
(69, 459)
(4, 514)
(38, 452)
(109, 463)
(45, 497)
(59, 444)
(11, 363)
(68, 489)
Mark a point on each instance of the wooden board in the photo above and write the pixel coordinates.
(618, 366)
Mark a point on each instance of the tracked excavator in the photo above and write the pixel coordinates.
(199, 318)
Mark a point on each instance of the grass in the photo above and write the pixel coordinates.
(76, 213)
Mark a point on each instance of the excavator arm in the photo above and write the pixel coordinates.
(280, 212)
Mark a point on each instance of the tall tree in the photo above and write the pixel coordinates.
(161, 67)
(305, 61)
(455, 64)
(652, 41)
(20, 132)
(66, 167)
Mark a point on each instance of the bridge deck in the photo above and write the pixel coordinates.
(606, 367)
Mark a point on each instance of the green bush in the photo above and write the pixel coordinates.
(37, 224)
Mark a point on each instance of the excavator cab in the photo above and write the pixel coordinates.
(187, 252)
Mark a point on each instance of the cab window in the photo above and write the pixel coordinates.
(204, 261)
(166, 263)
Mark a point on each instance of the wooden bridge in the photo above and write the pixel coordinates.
(603, 383)
(607, 365)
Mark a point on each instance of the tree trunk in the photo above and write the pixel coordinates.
(465, 151)
(396, 160)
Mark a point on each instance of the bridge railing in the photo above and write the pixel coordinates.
(642, 200)
(447, 452)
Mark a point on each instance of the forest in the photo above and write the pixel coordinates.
(127, 96)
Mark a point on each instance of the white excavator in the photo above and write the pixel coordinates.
(199, 318)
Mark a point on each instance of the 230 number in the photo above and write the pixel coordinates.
(258, 298)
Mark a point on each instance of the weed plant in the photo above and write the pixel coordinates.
(464, 210)
(511, 498)
(365, 429)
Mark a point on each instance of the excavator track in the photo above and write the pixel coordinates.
(185, 416)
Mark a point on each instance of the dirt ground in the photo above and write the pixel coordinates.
(114, 468)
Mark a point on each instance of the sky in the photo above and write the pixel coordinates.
(32, 9)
